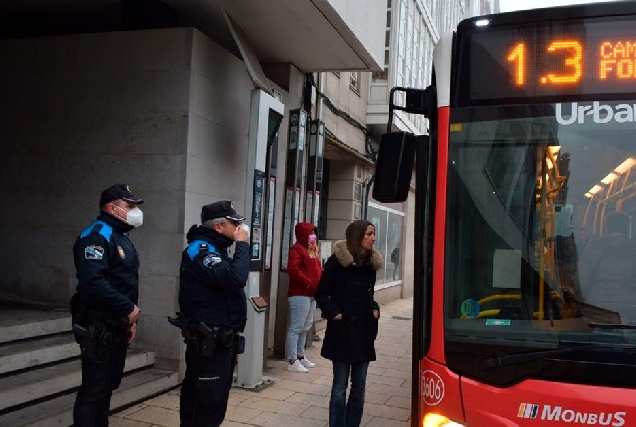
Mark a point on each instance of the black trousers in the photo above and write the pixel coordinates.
(99, 378)
(206, 387)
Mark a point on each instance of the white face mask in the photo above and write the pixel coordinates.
(134, 217)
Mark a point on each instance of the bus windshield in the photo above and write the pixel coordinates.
(541, 239)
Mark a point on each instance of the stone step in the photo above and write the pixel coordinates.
(39, 383)
(31, 353)
(23, 324)
(59, 411)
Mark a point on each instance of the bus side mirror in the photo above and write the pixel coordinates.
(394, 167)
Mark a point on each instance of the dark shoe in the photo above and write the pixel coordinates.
(316, 338)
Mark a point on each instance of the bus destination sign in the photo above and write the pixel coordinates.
(548, 60)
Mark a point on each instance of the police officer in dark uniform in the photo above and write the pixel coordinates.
(212, 299)
(104, 308)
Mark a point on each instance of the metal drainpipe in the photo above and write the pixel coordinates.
(320, 83)
(319, 107)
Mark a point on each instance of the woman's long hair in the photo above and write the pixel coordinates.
(354, 235)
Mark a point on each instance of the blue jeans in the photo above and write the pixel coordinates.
(301, 316)
(343, 413)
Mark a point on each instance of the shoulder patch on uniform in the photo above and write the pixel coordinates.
(211, 259)
(93, 252)
(198, 246)
(105, 230)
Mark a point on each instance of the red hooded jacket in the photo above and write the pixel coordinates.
(303, 269)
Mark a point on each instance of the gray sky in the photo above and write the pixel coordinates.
(509, 5)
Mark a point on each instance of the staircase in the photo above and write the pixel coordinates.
(40, 370)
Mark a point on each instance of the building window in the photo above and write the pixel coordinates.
(357, 192)
(382, 76)
(354, 81)
(388, 225)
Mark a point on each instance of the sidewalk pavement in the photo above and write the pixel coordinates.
(302, 399)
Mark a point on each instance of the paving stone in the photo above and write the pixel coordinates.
(384, 411)
(316, 413)
(309, 400)
(130, 410)
(397, 374)
(241, 414)
(236, 398)
(308, 388)
(324, 381)
(280, 420)
(156, 415)
(274, 393)
(399, 402)
(384, 422)
(165, 401)
(379, 379)
(379, 398)
(390, 390)
(270, 405)
(123, 422)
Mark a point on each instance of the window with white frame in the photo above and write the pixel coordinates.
(388, 225)
(354, 81)
(384, 74)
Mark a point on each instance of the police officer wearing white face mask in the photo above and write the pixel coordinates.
(104, 308)
(212, 300)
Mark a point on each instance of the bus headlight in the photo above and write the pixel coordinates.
(437, 420)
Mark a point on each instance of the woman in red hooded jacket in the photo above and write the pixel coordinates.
(304, 269)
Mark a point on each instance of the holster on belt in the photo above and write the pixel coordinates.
(182, 322)
(97, 333)
(85, 337)
(209, 339)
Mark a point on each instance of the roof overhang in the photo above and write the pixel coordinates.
(313, 35)
(310, 34)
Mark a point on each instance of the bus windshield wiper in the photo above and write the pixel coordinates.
(613, 326)
(572, 346)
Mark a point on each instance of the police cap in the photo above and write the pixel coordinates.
(222, 209)
(119, 191)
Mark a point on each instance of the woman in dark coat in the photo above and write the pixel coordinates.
(345, 297)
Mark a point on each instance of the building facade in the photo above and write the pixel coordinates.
(412, 29)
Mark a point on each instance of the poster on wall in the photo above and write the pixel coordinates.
(296, 213)
(316, 207)
(257, 215)
(309, 198)
(287, 228)
(270, 223)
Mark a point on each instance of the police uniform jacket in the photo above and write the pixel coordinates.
(211, 283)
(107, 267)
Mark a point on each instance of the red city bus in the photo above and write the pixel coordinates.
(525, 231)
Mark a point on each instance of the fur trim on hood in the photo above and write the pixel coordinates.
(346, 259)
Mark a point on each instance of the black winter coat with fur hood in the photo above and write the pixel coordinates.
(347, 288)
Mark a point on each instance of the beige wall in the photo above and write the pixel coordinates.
(346, 172)
(346, 99)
